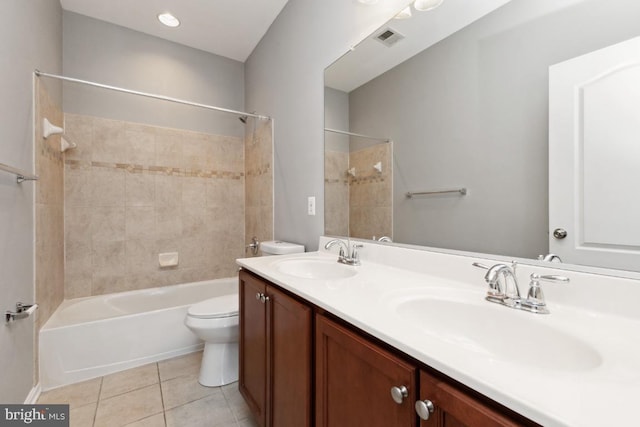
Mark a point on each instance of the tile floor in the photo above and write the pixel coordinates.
(163, 394)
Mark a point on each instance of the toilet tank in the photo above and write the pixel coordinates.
(277, 247)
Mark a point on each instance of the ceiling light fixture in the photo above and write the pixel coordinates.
(404, 13)
(423, 5)
(168, 19)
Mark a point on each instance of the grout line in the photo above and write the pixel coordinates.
(95, 414)
(164, 411)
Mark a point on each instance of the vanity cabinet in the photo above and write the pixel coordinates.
(354, 378)
(275, 354)
(358, 381)
(454, 407)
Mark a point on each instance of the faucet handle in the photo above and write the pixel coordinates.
(535, 301)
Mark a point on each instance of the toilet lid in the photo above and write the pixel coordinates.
(222, 306)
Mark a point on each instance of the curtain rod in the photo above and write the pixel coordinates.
(150, 95)
(359, 135)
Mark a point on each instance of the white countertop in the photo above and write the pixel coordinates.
(505, 354)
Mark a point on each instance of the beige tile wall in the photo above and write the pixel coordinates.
(49, 209)
(259, 180)
(370, 193)
(133, 191)
(336, 193)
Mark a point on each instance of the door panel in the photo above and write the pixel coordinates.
(354, 378)
(253, 346)
(290, 349)
(594, 129)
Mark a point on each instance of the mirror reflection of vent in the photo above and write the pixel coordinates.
(388, 37)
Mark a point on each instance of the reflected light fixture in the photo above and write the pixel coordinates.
(168, 19)
(404, 13)
(423, 5)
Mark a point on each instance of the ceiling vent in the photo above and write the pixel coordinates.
(388, 37)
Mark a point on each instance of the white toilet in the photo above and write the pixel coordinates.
(215, 321)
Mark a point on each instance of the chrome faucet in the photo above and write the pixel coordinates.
(507, 292)
(510, 294)
(384, 239)
(347, 255)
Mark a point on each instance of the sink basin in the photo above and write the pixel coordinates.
(316, 269)
(500, 333)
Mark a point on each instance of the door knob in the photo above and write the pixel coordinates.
(424, 408)
(559, 233)
(399, 393)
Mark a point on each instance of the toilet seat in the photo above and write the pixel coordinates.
(215, 308)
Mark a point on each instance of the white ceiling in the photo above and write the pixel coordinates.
(371, 58)
(230, 28)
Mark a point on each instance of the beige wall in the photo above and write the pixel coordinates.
(259, 180)
(133, 191)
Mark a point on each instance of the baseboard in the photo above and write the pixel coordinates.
(33, 396)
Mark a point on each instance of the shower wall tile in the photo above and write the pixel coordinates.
(133, 191)
(107, 187)
(336, 193)
(77, 187)
(370, 193)
(140, 189)
(107, 224)
(78, 129)
(49, 209)
(140, 222)
(258, 194)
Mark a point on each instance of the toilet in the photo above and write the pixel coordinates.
(215, 321)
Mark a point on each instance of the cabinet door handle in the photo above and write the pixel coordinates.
(258, 296)
(399, 393)
(264, 298)
(424, 408)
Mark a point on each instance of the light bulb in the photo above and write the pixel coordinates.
(168, 19)
(423, 5)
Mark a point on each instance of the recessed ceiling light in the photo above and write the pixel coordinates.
(168, 19)
(424, 5)
(368, 1)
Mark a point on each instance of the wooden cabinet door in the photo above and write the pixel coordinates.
(354, 378)
(253, 346)
(456, 408)
(290, 344)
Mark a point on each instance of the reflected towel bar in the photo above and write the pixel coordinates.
(22, 175)
(410, 194)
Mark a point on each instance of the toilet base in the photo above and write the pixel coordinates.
(219, 364)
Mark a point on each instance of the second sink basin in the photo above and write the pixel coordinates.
(319, 269)
(499, 333)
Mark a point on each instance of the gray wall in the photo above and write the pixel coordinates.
(31, 38)
(336, 116)
(476, 115)
(284, 78)
(106, 53)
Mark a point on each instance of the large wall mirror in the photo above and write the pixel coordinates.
(462, 93)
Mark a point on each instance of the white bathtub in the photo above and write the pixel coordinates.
(94, 336)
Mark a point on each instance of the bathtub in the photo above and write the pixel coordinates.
(90, 337)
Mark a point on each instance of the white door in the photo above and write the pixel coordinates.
(594, 157)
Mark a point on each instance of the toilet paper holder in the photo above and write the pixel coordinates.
(22, 312)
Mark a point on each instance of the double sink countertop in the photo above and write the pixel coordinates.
(578, 365)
